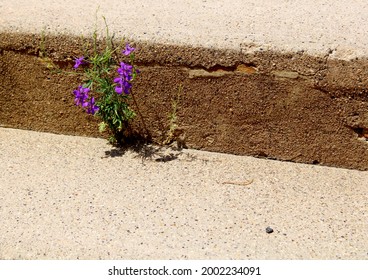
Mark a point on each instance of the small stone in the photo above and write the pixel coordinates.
(269, 230)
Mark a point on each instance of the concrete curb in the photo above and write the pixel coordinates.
(248, 90)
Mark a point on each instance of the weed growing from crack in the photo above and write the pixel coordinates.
(104, 94)
(175, 133)
(43, 55)
(172, 117)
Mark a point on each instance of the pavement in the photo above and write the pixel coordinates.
(68, 197)
(65, 197)
(312, 26)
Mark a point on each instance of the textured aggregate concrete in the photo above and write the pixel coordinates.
(64, 197)
(313, 26)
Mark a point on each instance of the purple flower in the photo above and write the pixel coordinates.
(125, 72)
(92, 108)
(78, 62)
(81, 95)
(122, 86)
(128, 50)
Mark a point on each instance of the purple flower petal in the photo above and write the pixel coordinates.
(118, 80)
(92, 108)
(78, 62)
(81, 95)
(118, 89)
(128, 50)
(84, 104)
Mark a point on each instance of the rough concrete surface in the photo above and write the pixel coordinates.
(68, 197)
(311, 25)
(275, 79)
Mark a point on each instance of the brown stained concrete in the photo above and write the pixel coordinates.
(285, 106)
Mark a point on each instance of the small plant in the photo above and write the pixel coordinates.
(173, 114)
(172, 117)
(43, 54)
(175, 133)
(104, 94)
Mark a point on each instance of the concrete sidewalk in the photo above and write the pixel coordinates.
(313, 26)
(64, 197)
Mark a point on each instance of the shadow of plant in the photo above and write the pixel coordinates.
(144, 150)
(134, 142)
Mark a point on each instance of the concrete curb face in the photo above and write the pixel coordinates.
(303, 101)
(283, 106)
